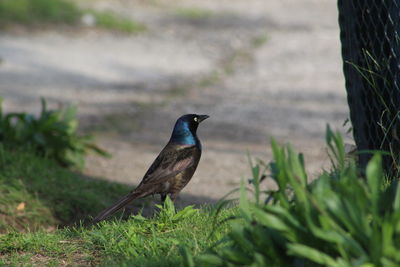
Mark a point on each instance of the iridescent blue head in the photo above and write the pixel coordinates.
(185, 129)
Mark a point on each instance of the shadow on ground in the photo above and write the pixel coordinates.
(144, 206)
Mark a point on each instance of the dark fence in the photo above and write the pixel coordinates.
(371, 63)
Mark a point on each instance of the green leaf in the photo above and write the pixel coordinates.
(396, 203)
(374, 178)
(270, 220)
(286, 215)
(187, 256)
(237, 234)
(244, 204)
(311, 254)
(212, 260)
(167, 211)
(296, 163)
(239, 257)
(183, 214)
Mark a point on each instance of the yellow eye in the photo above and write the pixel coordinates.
(195, 119)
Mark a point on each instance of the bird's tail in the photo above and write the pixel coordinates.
(116, 207)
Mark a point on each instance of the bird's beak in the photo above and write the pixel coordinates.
(202, 117)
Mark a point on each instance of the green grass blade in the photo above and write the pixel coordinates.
(375, 178)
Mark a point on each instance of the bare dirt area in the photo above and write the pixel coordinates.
(259, 68)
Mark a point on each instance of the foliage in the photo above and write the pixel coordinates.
(53, 134)
(168, 213)
(339, 219)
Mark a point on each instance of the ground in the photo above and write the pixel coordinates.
(259, 68)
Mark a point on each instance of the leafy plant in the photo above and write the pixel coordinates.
(339, 219)
(169, 214)
(53, 134)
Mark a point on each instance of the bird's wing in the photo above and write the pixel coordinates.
(172, 160)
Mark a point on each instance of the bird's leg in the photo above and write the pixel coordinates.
(163, 197)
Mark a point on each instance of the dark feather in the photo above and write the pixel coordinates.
(172, 160)
(116, 207)
(171, 170)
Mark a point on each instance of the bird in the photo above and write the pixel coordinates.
(171, 170)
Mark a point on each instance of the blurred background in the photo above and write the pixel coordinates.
(259, 68)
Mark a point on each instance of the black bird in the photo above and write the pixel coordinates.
(172, 169)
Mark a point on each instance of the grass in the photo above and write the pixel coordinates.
(194, 13)
(138, 241)
(37, 197)
(36, 193)
(339, 219)
(38, 12)
(383, 120)
(108, 20)
(50, 12)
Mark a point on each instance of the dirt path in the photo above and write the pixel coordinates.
(258, 68)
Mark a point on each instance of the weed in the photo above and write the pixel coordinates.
(138, 241)
(194, 13)
(339, 219)
(380, 116)
(111, 21)
(53, 134)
